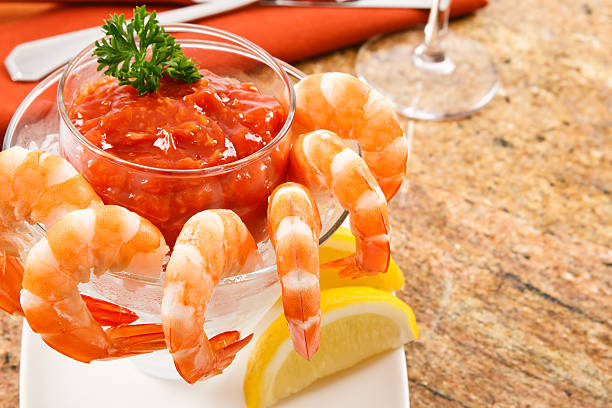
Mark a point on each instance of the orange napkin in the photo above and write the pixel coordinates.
(289, 33)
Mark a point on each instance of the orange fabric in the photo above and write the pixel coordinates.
(17, 11)
(289, 33)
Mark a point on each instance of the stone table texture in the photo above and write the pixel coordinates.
(504, 227)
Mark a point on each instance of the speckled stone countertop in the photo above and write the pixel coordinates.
(504, 232)
(504, 229)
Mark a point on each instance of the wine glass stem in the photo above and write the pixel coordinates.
(429, 51)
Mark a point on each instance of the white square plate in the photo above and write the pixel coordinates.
(51, 380)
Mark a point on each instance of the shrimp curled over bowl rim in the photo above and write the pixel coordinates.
(343, 104)
(213, 244)
(323, 162)
(37, 187)
(294, 227)
(98, 239)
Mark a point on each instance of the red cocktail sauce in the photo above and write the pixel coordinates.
(181, 126)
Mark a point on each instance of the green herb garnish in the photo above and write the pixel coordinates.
(140, 52)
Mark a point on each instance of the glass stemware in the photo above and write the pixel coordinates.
(443, 77)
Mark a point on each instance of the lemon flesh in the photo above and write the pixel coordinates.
(357, 323)
(342, 244)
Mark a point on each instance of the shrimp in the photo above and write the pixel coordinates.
(39, 187)
(322, 161)
(36, 187)
(294, 227)
(213, 244)
(343, 104)
(96, 239)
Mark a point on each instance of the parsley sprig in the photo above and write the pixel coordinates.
(140, 52)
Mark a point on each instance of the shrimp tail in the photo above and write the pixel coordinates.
(136, 339)
(304, 328)
(348, 267)
(226, 345)
(109, 314)
(223, 349)
(11, 276)
(124, 341)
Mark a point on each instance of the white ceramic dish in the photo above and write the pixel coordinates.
(51, 380)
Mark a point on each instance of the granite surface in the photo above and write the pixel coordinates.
(504, 229)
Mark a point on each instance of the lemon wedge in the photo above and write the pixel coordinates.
(342, 244)
(357, 322)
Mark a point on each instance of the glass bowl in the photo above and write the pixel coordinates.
(169, 197)
(238, 302)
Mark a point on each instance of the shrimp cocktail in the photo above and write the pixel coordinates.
(188, 157)
(168, 147)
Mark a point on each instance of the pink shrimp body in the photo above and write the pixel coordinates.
(294, 227)
(343, 104)
(322, 161)
(98, 239)
(213, 244)
(40, 187)
(36, 187)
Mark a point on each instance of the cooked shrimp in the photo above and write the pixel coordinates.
(343, 104)
(213, 244)
(40, 187)
(294, 227)
(322, 161)
(97, 239)
(36, 187)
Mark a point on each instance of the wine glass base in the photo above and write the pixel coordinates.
(456, 87)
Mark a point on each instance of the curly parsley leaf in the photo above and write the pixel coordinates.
(140, 52)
